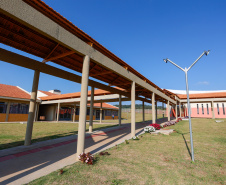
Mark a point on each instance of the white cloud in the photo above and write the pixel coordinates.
(203, 83)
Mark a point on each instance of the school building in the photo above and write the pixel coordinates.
(50, 106)
(204, 104)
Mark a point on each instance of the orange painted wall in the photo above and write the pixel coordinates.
(87, 117)
(2, 117)
(110, 117)
(18, 117)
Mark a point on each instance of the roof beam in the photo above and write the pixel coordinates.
(59, 56)
(102, 73)
(16, 59)
(25, 14)
(103, 98)
(45, 59)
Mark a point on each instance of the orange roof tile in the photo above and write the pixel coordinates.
(104, 105)
(13, 92)
(74, 95)
(47, 93)
(203, 95)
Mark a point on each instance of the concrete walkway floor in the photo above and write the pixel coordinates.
(20, 165)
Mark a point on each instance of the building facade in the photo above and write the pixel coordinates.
(204, 104)
(14, 106)
(14, 103)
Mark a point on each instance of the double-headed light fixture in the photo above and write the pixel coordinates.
(187, 90)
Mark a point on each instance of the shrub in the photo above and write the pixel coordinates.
(156, 126)
(86, 158)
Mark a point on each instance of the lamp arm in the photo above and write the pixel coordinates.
(204, 53)
(175, 64)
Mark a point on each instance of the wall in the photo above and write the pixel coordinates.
(110, 117)
(220, 115)
(195, 114)
(48, 111)
(17, 117)
(2, 117)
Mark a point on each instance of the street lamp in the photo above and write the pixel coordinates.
(187, 90)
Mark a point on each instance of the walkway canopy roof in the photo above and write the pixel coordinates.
(34, 27)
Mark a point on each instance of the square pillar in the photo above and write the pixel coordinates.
(7, 112)
(58, 112)
(143, 111)
(31, 114)
(36, 112)
(120, 110)
(162, 109)
(133, 110)
(168, 110)
(180, 108)
(101, 113)
(91, 110)
(156, 110)
(74, 113)
(153, 108)
(213, 113)
(83, 106)
(176, 111)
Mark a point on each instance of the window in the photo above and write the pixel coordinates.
(197, 108)
(207, 107)
(218, 111)
(87, 112)
(115, 113)
(223, 108)
(108, 113)
(77, 111)
(19, 108)
(202, 109)
(3, 107)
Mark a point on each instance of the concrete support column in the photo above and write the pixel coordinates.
(143, 111)
(71, 113)
(168, 110)
(74, 113)
(162, 109)
(120, 110)
(133, 110)
(58, 111)
(180, 108)
(36, 112)
(213, 113)
(101, 112)
(176, 111)
(153, 108)
(7, 112)
(30, 120)
(83, 106)
(91, 110)
(156, 110)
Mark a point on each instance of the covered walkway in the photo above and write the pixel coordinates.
(35, 28)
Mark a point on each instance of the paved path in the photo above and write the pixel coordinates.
(20, 165)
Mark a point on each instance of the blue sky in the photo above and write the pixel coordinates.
(143, 33)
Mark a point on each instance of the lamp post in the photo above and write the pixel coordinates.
(187, 90)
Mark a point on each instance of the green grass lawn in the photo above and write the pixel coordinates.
(126, 118)
(156, 159)
(13, 134)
